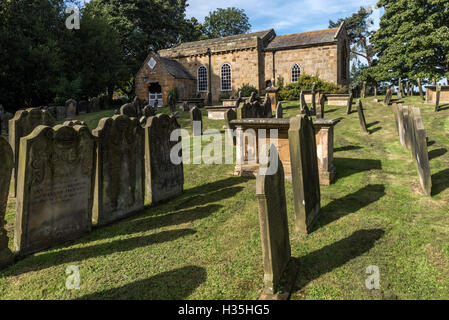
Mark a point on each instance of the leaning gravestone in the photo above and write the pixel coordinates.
(128, 110)
(303, 105)
(197, 121)
(361, 116)
(21, 125)
(320, 109)
(421, 154)
(273, 221)
(401, 128)
(279, 111)
(120, 169)
(7, 164)
(437, 99)
(349, 105)
(305, 176)
(408, 126)
(55, 187)
(164, 177)
(70, 108)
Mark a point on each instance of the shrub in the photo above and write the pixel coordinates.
(173, 93)
(305, 82)
(247, 89)
(224, 96)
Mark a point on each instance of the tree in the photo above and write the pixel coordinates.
(413, 40)
(226, 22)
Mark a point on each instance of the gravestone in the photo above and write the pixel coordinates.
(120, 169)
(70, 108)
(305, 176)
(361, 116)
(197, 121)
(437, 99)
(421, 94)
(408, 126)
(399, 95)
(279, 111)
(21, 125)
(388, 96)
(349, 105)
(363, 92)
(7, 164)
(230, 115)
(128, 110)
(60, 112)
(6, 117)
(267, 112)
(148, 111)
(94, 104)
(55, 187)
(303, 105)
(83, 106)
(164, 179)
(401, 127)
(273, 221)
(313, 106)
(421, 154)
(52, 110)
(396, 116)
(320, 110)
(185, 106)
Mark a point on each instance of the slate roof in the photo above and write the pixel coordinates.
(302, 39)
(176, 69)
(223, 40)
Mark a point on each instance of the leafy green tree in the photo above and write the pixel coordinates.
(226, 22)
(413, 40)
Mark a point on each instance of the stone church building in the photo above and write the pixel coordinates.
(213, 67)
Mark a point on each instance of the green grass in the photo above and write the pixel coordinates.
(205, 244)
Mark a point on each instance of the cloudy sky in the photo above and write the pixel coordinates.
(286, 16)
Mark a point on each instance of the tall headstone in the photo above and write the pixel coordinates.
(279, 111)
(320, 109)
(83, 106)
(400, 88)
(267, 112)
(129, 110)
(230, 115)
(70, 108)
(305, 176)
(55, 187)
(21, 125)
(164, 177)
(120, 169)
(197, 121)
(388, 96)
(313, 106)
(421, 154)
(273, 222)
(361, 116)
(304, 109)
(60, 112)
(7, 164)
(437, 99)
(349, 105)
(94, 104)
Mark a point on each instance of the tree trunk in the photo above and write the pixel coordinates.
(420, 89)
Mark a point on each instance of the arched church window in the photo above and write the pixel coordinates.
(202, 79)
(226, 77)
(296, 72)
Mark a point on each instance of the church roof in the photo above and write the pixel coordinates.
(303, 39)
(176, 69)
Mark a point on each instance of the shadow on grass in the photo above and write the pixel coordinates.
(437, 153)
(430, 143)
(440, 181)
(350, 203)
(372, 124)
(443, 107)
(330, 111)
(326, 259)
(348, 166)
(374, 130)
(347, 148)
(176, 284)
(55, 258)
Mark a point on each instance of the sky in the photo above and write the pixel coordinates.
(286, 16)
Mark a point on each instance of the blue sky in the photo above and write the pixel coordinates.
(286, 16)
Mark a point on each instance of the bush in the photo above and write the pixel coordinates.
(173, 93)
(224, 96)
(247, 89)
(305, 82)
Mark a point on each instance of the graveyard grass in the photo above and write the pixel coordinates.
(206, 243)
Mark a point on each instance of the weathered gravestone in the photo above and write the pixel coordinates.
(266, 111)
(273, 221)
(313, 106)
(388, 96)
(349, 105)
(7, 164)
(185, 106)
(396, 116)
(303, 105)
(94, 104)
(230, 115)
(21, 125)
(83, 106)
(279, 111)
(400, 89)
(197, 121)
(363, 92)
(55, 187)
(128, 110)
(320, 110)
(420, 152)
(70, 108)
(361, 116)
(305, 176)
(120, 169)
(60, 112)
(164, 177)
(437, 99)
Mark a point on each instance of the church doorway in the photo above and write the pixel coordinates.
(155, 94)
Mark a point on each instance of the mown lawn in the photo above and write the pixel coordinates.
(205, 244)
